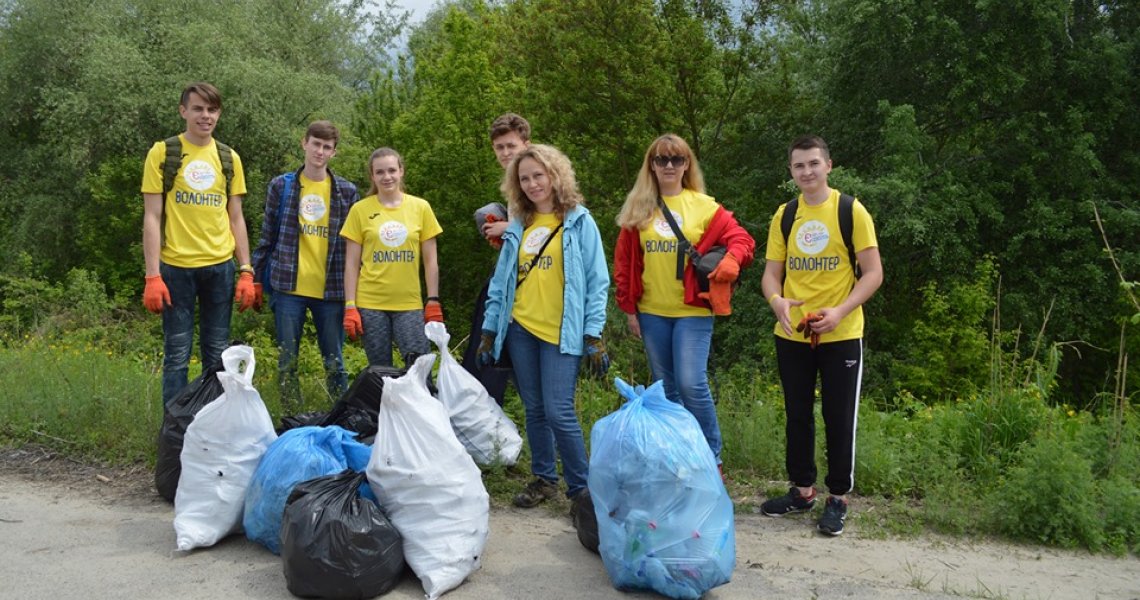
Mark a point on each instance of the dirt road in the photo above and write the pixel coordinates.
(95, 536)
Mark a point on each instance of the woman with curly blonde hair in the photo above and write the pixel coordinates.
(658, 288)
(547, 305)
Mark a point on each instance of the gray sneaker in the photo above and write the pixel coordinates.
(834, 513)
(535, 493)
(792, 502)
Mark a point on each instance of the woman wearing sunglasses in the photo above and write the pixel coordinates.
(657, 287)
(547, 301)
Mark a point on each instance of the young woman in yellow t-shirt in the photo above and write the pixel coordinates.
(388, 235)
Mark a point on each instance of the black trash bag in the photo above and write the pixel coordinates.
(585, 520)
(176, 417)
(335, 544)
(359, 407)
(301, 420)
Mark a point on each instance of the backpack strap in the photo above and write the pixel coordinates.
(174, 162)
(226, 157)
(171, 165)
(846, 226)
(789, 217)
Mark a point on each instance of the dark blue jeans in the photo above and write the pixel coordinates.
(546, 379)
(289, 319)
(211, 290)
(678, 350)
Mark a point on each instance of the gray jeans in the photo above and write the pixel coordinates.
(405, 326)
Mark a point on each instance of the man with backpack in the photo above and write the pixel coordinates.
(300, 260)
(822, 265)
(193, 228)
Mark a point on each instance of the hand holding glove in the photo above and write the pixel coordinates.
(485, 355)
(805, 327)
(719, 295)
(727, 270)
(352, 323)
(433, 311)
(155, 295)
(496, 241)
(244, 294)
(597, 361)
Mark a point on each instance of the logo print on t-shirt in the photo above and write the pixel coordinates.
(393, 234)
(312, 208)
(199, 175)
(535, 239)
(812, 237)
(662, 226)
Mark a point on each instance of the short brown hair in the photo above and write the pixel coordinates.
(807, 142)
(208, 93)
(508, 122)
(324, 130)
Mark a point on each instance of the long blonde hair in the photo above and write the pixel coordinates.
(641, 202)
(563, 185)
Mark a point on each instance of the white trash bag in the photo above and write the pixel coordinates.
(428, 486)
(489, 435)
(221, 450)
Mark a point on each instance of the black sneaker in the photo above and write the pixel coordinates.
(535, 493)
(792, 502)
(834, 513)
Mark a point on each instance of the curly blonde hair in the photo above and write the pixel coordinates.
(563, 184)
(641, 202)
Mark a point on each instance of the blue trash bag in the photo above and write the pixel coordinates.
(298, 455)
(665, 521)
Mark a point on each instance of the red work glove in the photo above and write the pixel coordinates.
(155, 295)
(727, 271)
(244, 294)
(433, 311)
(805, 327)
(719, 295)
(258, 296)
(352, 323)
(496, 242)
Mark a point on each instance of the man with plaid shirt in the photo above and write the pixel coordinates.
(300, 260)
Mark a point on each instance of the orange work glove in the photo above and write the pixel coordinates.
(352, 323)
(805, 327)
(496, 242)
(433, 311)
(155, 295)
(719, 295)
(727, 271)
(258, 296)
(244, 294)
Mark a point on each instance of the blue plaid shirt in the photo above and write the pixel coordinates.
(275, 259)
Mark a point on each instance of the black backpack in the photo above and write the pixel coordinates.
(846, 225)
(174, 161)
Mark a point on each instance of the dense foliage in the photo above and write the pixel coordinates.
(982, 137)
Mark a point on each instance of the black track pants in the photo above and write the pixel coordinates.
(840, 369)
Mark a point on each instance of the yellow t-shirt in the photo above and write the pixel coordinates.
(538, 301)
(816, 267)
(390, 241)
(313, 237)
(196, 230)
(664, 294)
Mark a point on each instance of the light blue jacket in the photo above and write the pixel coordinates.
(586, 277)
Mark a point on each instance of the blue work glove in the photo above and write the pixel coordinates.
(485, 356)
(597, 361)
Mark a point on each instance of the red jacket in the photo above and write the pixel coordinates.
(629, 262)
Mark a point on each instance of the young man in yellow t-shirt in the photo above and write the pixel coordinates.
(813, 290)
(301, 258)
(191, 234)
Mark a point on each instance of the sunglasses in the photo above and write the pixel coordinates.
(665, 161)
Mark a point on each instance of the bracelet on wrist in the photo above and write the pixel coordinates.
(773, 297)
(433, 298)
(245, 269)
(350, 303)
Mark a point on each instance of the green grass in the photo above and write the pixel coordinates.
(1005, 462)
